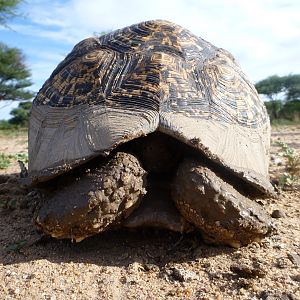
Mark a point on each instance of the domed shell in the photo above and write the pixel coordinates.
(152, 76)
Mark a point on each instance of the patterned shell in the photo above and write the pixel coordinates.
(146, 77)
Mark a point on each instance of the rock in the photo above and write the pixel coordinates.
(276, 238)
(206, 265)
(182, 275)
(135, 267)
(294, 258)
(276, 214)
(268, 295)
(296, 277)
(215, 275)
(123, 279)
(281, 263)
(279, 246)
(277, 161)
(245, 283)
(247, 271)
(151, 268)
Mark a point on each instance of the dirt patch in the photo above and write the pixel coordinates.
(148, 264)
(11, 145)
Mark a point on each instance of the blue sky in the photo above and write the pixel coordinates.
(263, 35)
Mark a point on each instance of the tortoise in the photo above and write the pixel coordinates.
(153, 126)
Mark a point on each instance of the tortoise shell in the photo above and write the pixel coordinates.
(152, 76)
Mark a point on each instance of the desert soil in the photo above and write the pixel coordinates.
(145, 264)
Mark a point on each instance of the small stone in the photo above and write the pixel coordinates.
(242, 291)
(281, 263)
(151, 268)
(247, 271)
(171, 293)
(294, 258)
(245, 283)
(267, 295)
(277, 161)
(134, 267)
(296, 277)
(277, 214)
(183, 275)
(276, 237)
(215, 275)
(123, 279)
(279, 246)
(291, 296)
(206, 265)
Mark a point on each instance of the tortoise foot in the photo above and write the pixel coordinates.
(220, 212)
(94, 200)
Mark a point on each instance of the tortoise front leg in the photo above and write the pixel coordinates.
(93, 200)
(220, 212)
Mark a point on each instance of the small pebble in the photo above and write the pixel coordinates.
(247, 271)
(135, 267)
(277, 161)
(294, 258)
(151, 268)
(182, 275)
(281, 263)
(296, 277)
(279, 246)
(245, 283)
(277, 214)
(268, 295)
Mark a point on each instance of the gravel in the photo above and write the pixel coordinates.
(148, 264)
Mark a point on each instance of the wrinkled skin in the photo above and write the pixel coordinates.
(112, 194)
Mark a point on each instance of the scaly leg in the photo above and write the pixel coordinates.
(93, 200)
(220, 212)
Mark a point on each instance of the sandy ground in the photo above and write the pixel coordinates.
(147, 264)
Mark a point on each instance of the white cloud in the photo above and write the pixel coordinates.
(211, 18)
(254, 31)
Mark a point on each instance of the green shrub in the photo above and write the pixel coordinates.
(274, 109)
(291, 111)
(5, 125)
(292, 167)
(7, 159)
(21, 114)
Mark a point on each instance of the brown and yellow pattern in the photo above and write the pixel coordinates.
(155, 65)
(146, 77)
